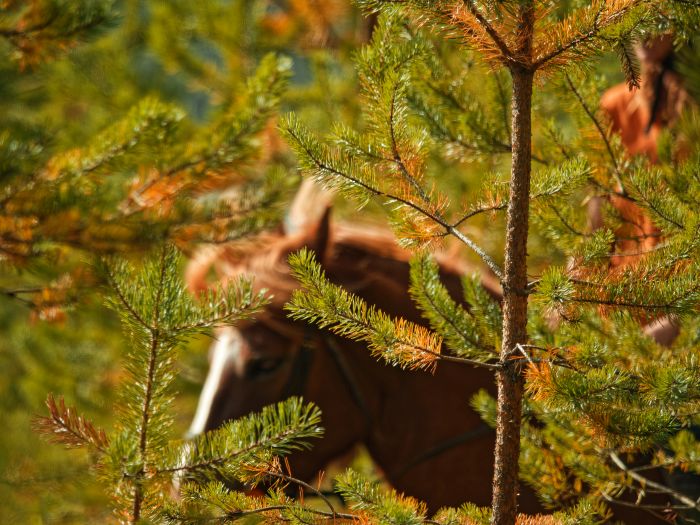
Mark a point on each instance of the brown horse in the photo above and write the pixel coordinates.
(418, 427)
(639, 116)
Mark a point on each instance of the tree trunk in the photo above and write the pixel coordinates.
(510, 379)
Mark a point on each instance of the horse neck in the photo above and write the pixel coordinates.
(410, 411)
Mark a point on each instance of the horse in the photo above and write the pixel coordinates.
(418, 427)
(639, 116)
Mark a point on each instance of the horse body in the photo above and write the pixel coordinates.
(418, 427)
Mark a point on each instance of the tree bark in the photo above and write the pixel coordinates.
(509, 379)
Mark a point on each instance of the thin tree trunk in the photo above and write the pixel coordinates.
(510, 379)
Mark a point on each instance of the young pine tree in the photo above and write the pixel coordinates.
(566, 346)
(138, 459)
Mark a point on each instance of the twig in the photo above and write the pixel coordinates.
(493, 266)
(507, 54)
(520, 348)
(687, 501)
(603, 135)
(647, 508)
(307, 486)
(477, 211)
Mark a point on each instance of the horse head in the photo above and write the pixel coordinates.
(270, 358)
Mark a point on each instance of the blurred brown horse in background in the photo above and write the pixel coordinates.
(418, 428)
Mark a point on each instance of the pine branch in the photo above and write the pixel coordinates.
(602, 133)
(408, 176)
(462, 334)
(242, 444)
(148, 122)
(64, 426)
(486, 140)
(235, 506)
(220, 306)
(52, 24)
(650, 199)
(397, 341)
(384, 506)
(324, 171)
(606, 14)
(149, 386)
(630, 64)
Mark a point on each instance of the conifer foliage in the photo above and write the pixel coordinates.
(138, 179)
(39, 29)
(138, 459)
(622, 397)
(582, 391)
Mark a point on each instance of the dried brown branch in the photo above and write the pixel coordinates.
(64, 426)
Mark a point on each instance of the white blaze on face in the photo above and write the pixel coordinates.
(226, 353)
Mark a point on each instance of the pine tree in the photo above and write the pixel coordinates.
(138, 459)
(147, 116)
(614, 401)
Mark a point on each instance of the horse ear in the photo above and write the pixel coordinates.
(307, 209)
(309, 217)
(198, 268)
(318, 237)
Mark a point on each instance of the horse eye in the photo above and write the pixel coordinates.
(263, 366)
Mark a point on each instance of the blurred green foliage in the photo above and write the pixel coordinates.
(68, 71)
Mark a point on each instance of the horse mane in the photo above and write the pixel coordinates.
(265, 259)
